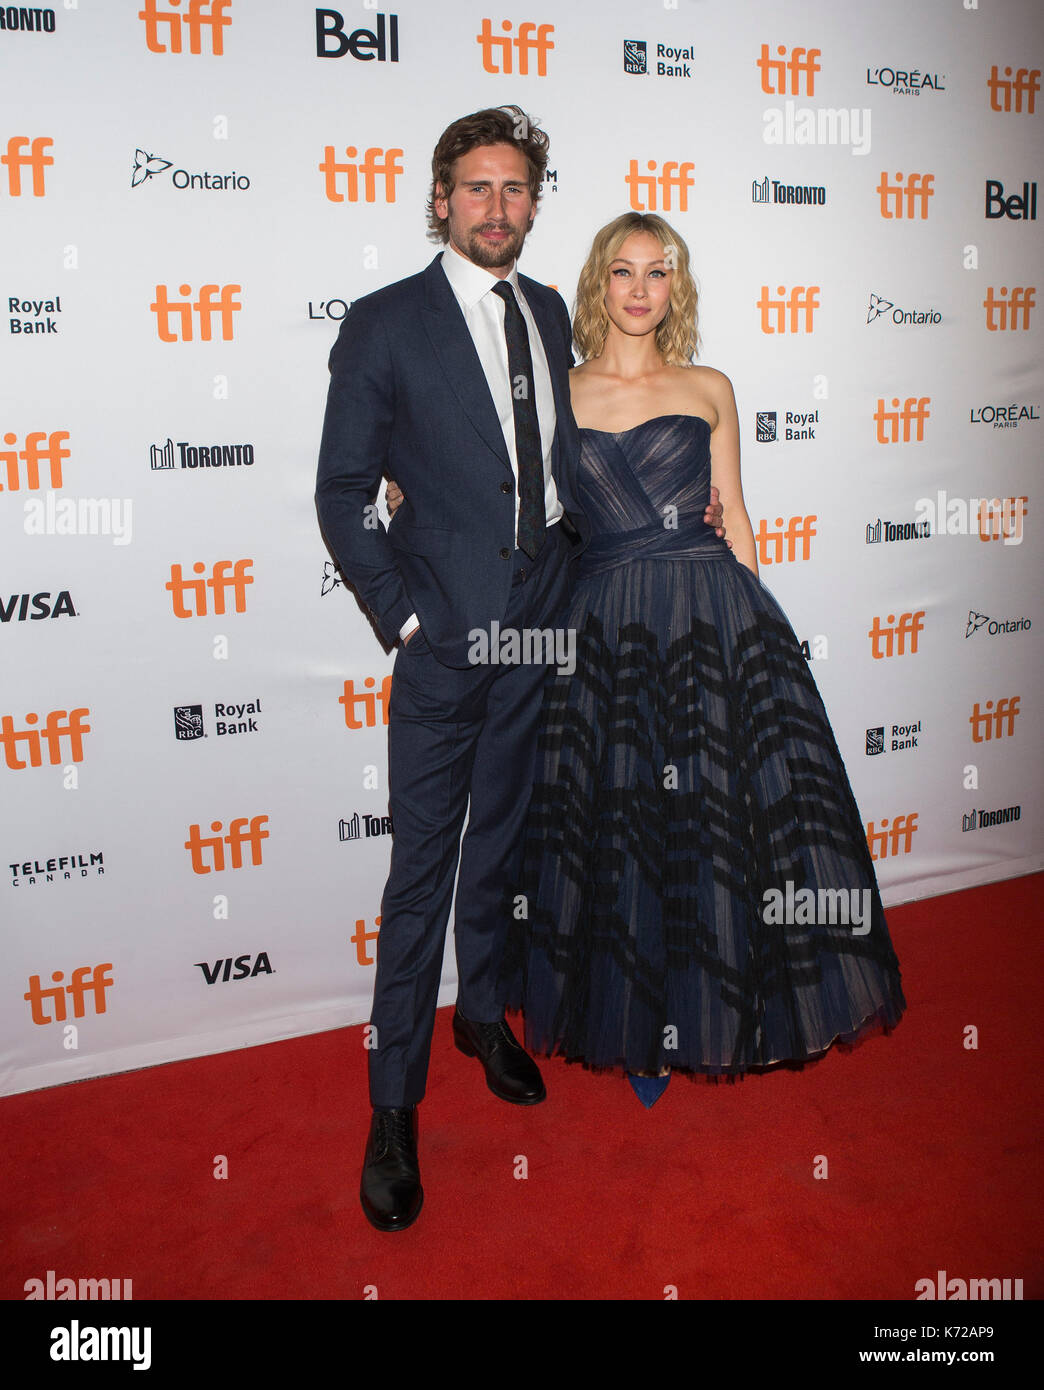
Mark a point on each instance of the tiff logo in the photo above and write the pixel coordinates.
(242, 831)
(784, 314)
(673, 177)
(60, 724)
(798, 528)
(40, 447)
(182, 589)
(777, 72)
(890, 639)
(1026, 83)
(85, 980)
(1019, 302)
(531, 38)
(205, 306)
(36, 160)
(369, 700)
(903, 828)
(371, 166)
(200, 15)
(1000, 519)
(911, 416)
(919, 188)
(989, 723)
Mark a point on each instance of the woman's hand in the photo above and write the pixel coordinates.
(714, 516)
(394, 498)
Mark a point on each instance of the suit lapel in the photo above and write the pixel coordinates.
(455, 351)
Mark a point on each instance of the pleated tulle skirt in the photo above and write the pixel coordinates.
(697, 885)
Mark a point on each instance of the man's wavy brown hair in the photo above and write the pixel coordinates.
(497, 125)
(677, 337)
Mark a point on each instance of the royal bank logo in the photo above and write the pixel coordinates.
(41, 311)
(363, 827)
(670, 62)
(797, 425)
(768, 190)
(635, 58)
(149, 166)
(188, 722)
(897, 737)
(881, 308)
(903, 82)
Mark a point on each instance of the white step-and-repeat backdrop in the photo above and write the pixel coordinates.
(192, 708)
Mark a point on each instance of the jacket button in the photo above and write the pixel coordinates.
(505, 554)
(505, 487)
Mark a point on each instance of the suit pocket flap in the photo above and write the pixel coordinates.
(419, 540)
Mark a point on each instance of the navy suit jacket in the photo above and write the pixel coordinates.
(408, 399)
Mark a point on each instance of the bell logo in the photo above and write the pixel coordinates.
(911, 416)
(989, 723)
(898, 838)
(1026, 83)
(673, 176)
(369, 700)
(242, 831)
(184, 590)
(534, 38)
(918, 189)
(370, 167)
(60, 724)
(784, 314)
(798, 528)
(892, 639)
(200, 15)
(777, 72)
(205, 306)
(1019, 302)
(39, 447)
(85, 980)
(16, 160)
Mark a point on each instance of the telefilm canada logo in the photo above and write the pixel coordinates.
(150, 166)
(58, 868)
(669, 61)
(881, 308)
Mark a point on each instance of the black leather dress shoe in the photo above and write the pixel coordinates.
(511, 1074)
(391, 1193)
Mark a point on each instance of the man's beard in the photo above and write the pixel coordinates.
(492, 256)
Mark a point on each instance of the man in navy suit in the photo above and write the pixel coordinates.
(458, 389)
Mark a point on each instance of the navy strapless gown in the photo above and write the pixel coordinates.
(686, 769)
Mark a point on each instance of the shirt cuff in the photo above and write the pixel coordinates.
(408, 626)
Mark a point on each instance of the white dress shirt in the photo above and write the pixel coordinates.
(484, 315)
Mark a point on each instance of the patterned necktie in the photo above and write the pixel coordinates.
(532, 520)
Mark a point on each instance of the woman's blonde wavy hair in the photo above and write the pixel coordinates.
(677, 337)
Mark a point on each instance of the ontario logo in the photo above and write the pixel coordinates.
(149, 166)
(881, 308)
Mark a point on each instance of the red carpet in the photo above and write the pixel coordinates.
(932, 1152)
